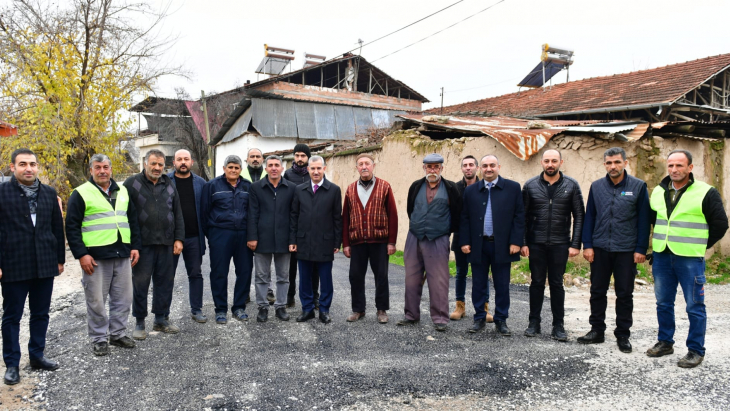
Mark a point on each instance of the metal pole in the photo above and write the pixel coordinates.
(207, 134)
(442, 100)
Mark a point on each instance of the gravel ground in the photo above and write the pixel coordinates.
(366, 365)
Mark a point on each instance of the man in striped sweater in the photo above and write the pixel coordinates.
(369, 232)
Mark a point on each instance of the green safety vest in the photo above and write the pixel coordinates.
(686, 231)
(245, 174)
(101, 222)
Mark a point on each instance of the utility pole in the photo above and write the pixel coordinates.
(442, 100)
(207, 134)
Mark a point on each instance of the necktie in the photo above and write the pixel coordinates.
(314, 189)
(488, 224)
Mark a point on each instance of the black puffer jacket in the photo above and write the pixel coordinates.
(548, 220)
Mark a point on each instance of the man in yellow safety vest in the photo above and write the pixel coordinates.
(103, 234)
(689, 219)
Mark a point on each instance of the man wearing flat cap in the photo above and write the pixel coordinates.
(434, 204)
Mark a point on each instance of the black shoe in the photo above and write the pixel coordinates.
(406, 321)
(43, 363)
(501, 327)
(660, 349)
(281, 314)
(263, 315)
(199, 317)
(478, 326)
(593, 337)
(440, 327)
(12, 376)
(101, 348)
(691, 360)
(270, 297)
(306, 316)
(559, 333)
(624, 345)
(316, 305)
(533, 328)
(290, 302)
(124, 342)
(325, 317)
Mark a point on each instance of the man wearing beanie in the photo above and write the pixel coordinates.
(298, 174)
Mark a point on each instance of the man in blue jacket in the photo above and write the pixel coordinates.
(615, 239)
(492, 233)
(223, 214)
(190, 188)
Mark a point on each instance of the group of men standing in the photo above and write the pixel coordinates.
(126, 236)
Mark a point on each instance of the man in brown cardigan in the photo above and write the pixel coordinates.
(369, 232)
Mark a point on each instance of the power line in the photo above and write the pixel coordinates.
(444, 29)
(405, 27)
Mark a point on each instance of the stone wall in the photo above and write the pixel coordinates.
(400, 163)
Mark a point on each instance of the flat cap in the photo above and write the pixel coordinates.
(433, 158)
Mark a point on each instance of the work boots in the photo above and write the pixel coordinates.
(490, 318)
(459, 312)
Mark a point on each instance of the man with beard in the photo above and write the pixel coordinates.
(492, 232)
(254, 170)
(433, 208)
(469, 169)
(190, 188)
(162, 230)
(550, 200)
(299, 174)
(615, 239)
(32, 253)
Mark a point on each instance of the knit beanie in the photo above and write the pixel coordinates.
(302, 148)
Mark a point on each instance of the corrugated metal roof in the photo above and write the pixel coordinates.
(517, 135)
(310, 121)
(7, 129)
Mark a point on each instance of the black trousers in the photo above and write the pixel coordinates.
(621, 265)
(38, 292)
(377, 254)
(155, 264)
(547, 262)
(193, 261)
(293, 278)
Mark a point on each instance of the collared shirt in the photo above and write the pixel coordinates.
(432, 191)
(675, 193)
(364, 191)
(488, 221)
(319, 185)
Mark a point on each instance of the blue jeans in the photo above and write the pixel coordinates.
(689, 273)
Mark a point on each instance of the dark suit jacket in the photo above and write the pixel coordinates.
(316, 221)
(269, 215)
(508, 217)
(28, 252)
(198, 184)
(454, 200)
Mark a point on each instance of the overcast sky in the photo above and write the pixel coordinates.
(222, 41)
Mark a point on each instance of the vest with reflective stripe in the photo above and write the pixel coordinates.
(101, 222)
(686, 231)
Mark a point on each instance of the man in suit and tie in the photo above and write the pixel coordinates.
(32, 253)
(315, 235)
(492, 233)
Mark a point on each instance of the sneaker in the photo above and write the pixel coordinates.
(240, 315)
(101, 348)
(270, 297)
(139, 333)
(199, 317)
(660, 349)
(691, 360)
(220, 318)
(166, 327)
(124, 342)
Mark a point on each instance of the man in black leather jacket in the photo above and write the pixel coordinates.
(551, 198)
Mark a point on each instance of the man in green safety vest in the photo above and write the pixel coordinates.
(103, 234)
(254, 170)
(689, 219)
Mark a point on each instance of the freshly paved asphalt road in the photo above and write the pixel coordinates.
(364, 365)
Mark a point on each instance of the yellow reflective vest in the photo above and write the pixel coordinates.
(247, 175)
(686, 231)
(101, 222)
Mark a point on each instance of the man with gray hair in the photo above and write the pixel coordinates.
(103, 234)
(434, 207)
(223, 216)
(162, 229)
(270, 201)
(615, 239)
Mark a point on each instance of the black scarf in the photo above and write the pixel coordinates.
(31, 192)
